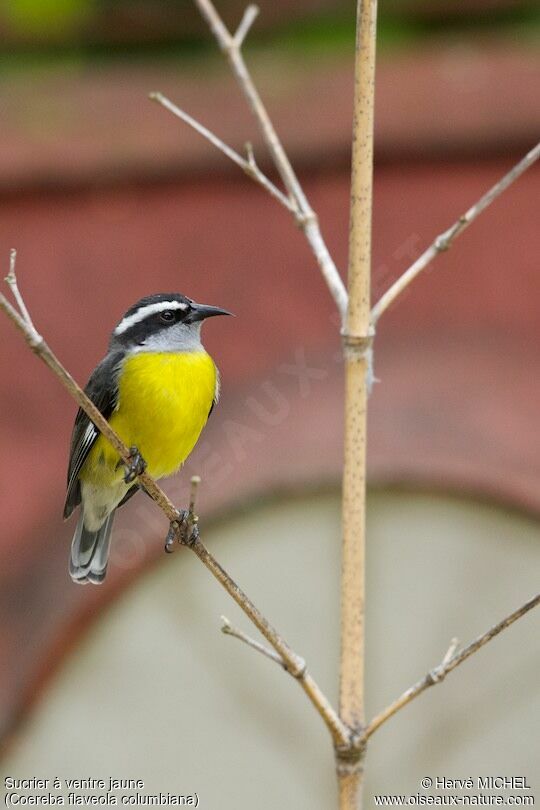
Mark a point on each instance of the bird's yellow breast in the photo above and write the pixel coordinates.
(163, 404)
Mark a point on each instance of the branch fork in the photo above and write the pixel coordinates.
(250, 15)
(34, 338)
(451, 660)
(295, 200)
(297, 668)
(438, 673)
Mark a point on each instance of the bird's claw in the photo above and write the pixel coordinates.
(135, 467)
(175, 527)
(184, 529)
(192, 534)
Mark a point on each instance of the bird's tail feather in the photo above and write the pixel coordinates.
(90, 552)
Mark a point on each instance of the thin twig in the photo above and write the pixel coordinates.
(445, 240)
(247, 166)
(11, 279)
(228, 630)
(454, 644)
(250, 15)
(195, 483)
(231, 45)
(293, 662)
(449, 663)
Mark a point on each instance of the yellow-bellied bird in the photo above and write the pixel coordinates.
(156, 387)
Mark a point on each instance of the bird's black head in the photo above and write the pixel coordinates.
(163, 322)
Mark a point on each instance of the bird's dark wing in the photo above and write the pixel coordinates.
(216, 393)
(102, 389)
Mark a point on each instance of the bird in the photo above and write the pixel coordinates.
(156, 386)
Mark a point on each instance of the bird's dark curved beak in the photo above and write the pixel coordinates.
(199, 312)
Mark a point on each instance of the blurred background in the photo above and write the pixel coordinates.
(108, 198)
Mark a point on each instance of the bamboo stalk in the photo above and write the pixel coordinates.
(357, 344)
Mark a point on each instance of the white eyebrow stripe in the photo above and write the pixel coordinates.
(144, 312)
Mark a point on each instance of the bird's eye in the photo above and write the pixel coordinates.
(167, 316)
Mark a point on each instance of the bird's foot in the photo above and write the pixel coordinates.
(135, 467)
(192, 534)
(175, 528)
(184, 529)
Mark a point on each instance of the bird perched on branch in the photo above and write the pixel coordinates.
(156, 387)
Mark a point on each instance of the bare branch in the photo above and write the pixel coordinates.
(247, 166)
(292, 662)
(250, 15)
(228, 630)
(230, 47)
(450, 661)
(445, 240)
(300, 673)
(305, 216)
(11, 279)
